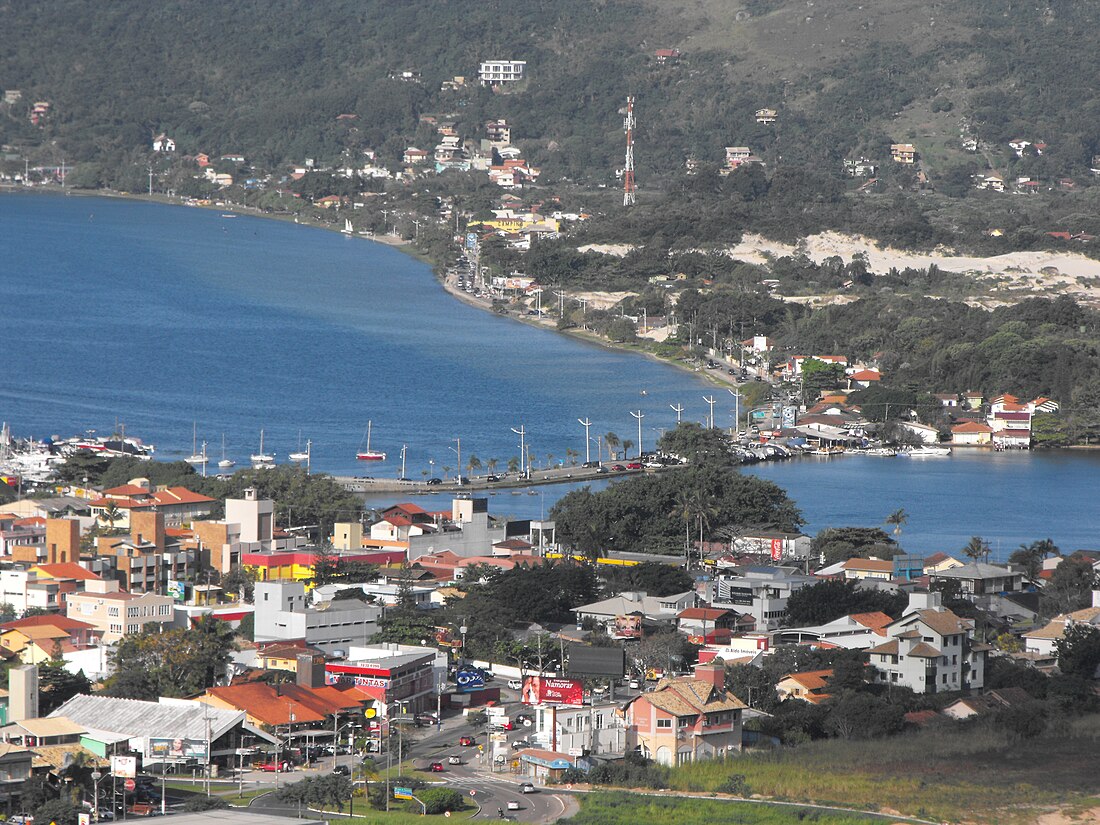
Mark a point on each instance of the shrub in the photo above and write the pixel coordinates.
(438, 800)
(204, 803)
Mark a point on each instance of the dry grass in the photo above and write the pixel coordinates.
(969, 775)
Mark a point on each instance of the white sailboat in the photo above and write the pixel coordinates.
(368, 454)
(347, 230)
(225, 463)
(300, 454)
(196, 457)
(262, 460)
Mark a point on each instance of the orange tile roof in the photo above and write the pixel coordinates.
(58, 621)
(870, 565)
(262, 702)
(972, 427)
(811, 679)
(877, 621)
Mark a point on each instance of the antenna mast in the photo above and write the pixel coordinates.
(628, 171)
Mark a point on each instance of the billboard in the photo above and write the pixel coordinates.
(596, 661)
(730, 594)
(163, 749)
(471, 240)
(777, 549)
(627, 627)
(124, 767)
(469, 680)
(176, 590)
(545, 690)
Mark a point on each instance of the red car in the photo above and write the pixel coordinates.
(634, 465)
(274, 767)
(436, 767)
(467, 741)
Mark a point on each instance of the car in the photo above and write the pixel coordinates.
(634, 465)
(426, 719)
(492, 478)
(431, 482)
(454, 760)
(274, 767)
(525, 719)
(515, 684)
(601, 471)
(436, 767)
(520, 744)
(654, 465)
(618, 468)
(634, 684)
(591, 464)
(467, 741)
(513, 805)
(732, 371)
(342, 770)
(527, 787)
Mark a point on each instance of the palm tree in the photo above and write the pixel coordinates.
(491, 465)
(571, 456)
(612, 442)
(112, 514)
(513, 464)
(549, 460)
(473, 463)
(897, 518)
(627, 444)
(977, 548)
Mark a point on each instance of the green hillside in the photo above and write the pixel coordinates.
(268, 78)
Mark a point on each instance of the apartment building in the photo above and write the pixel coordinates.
(114, 614)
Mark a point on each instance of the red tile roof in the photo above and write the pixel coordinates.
(67, 570)
(707, 614)
(58, 621)
(972, 427)
(262, 702)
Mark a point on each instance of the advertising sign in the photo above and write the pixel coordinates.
(469, 680)
(790, 416)
(735, 595)
(545, 690)
(176, 590)
(161, 749)
(124, 766)
(471, 240)
(777, 549)
(628, 627)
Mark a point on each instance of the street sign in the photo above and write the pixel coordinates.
(130, 785)
(473, 792)
(402, 793)
(83, 819)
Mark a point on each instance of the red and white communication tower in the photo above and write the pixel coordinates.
(629, 188)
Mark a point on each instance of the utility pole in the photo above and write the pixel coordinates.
(639, 415)
(736, 409)
(523, 465)
(710, 401)
(458, 452)
(584, 422)
(150, 179)
(679, 408)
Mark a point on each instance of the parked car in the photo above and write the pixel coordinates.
(520, 744)
(342, 770)
(634, 684)
(467, 741)
(527, 787)
(436, 767)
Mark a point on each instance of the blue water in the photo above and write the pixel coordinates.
(165, 316)
(162, 316)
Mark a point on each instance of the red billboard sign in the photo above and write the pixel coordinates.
(777, 549)
(544, 690)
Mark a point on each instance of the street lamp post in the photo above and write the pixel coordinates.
(96, 776)
(710, 400)
(525, 463)
(586, 423)
(735, 392)
(458, 451)
(679, 408)
(639, 415)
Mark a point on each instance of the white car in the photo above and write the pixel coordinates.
(515, 684)
(513, 805)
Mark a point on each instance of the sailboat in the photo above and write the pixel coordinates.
(225, 463)
(347, 230)
(368, 454)
(300, 454)
(262, 460)
(196, 457)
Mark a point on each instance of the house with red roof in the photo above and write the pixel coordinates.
(972, 434)
(176, 504)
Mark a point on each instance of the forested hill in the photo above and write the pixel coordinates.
(268, 78)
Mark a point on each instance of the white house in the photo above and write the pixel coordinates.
(495, 72)
(163, 143)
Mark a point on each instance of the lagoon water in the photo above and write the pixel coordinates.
(165, 316)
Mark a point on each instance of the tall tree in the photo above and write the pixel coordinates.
(977, 549)
(897, 519)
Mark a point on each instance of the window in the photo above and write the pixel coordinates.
(893, 677)
(955, 659)
(116, 628)
(683, 722)
(664, 723)
(112, 611)
(133, 628)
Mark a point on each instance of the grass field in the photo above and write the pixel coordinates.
(630, 809)
(974, 775)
